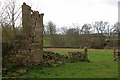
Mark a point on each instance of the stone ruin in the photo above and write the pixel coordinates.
(33, 27)
(29, 49)
(77, 55)
(52, 59)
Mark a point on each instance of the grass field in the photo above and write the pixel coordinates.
(101, 66)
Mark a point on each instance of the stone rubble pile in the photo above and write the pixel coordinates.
(52, 59)
(76, 56)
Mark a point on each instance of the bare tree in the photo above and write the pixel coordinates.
(86, 29)
(51, 28)
(10, 14)
(100, 28)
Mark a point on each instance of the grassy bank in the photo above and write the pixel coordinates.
(101, 66)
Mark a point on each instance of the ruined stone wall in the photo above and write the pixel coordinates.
(32, 23)
(26, 18)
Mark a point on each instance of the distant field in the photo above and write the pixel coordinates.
(101, 66)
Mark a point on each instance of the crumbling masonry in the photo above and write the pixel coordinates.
(32, 23)
(28, 48)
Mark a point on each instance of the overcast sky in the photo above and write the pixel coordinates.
(66, 12)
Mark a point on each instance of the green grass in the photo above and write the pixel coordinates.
(101, 66)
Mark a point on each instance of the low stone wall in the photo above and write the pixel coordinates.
(24, 58)
(52, 59)
(76, 56)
